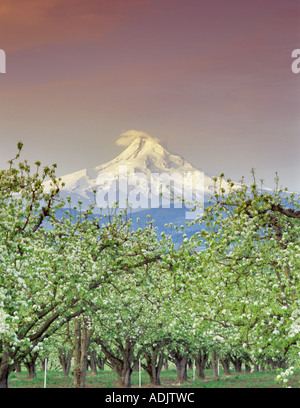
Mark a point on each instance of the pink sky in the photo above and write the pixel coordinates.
(211, 79)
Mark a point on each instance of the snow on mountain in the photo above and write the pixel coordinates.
(147, 155)
(142, 162)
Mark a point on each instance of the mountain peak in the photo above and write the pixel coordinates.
(145, 154)
(142, 146)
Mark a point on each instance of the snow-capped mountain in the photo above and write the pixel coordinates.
(145, 167)
(147, 155)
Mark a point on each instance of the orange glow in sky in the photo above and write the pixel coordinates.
(211, 79)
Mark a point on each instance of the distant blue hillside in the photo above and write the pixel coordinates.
(161, 217)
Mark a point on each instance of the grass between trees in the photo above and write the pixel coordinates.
(108, 379)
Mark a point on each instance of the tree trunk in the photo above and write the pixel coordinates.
(181, 367)
(42, 360)
(29, 363)
(155, 376)
(122, 366)
(154, 364)
(166, 364)
(237, 362)
(124, 376)
(93, 362)
(135, 366)
(65, 358)
(200, 370)
(4, 370)
(18, 366)
(215, 364)
(81, 341)
(247, 366)
(282, 364)
(181, 361)
(226, 364)
(101, 362)
(31, 370)
(200, 361)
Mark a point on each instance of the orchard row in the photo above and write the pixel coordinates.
(88, 285)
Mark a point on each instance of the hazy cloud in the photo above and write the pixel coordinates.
(127, 137)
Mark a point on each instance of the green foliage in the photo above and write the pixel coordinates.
(238, 297)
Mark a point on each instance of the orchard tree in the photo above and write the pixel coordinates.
(249, 271)
(24, 206)
(125, 311)
(124, 276)
(94, 253)
(134, 314)
(49, 271)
